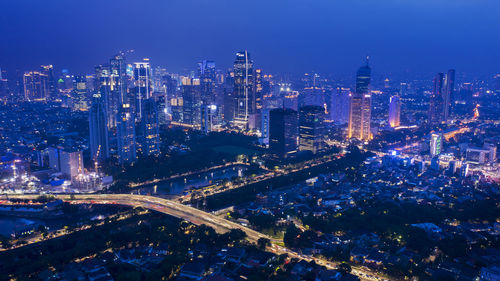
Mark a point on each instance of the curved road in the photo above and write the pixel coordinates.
(197, 217)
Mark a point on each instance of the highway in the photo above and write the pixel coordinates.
(197, 217)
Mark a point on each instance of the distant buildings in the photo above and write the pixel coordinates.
(360, 106)
(283, 132)
(311, 128)
(440, 100)
(143, 85)
(394, 111)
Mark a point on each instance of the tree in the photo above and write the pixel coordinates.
(344, 268)
(263, 243)
(290, 237)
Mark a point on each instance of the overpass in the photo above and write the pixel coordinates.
(194, 216)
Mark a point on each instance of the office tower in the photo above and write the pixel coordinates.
(118, 84)
(259, 89)
(150, 130)
(35, 86)
(98, 128)
(176, 108)
(244, 99)
(103, 88)
(360, 106)
(208, 113)
(143, 85)
(4, 85)
(311, 128)
(67, 161)
(394, 111)
(440, 100)
(264, 127)
(339, 110)
(125, 130)
(283, 132)
(48, 70)
(80, 99)
(191, 104)
(207, 75)
(436, 144)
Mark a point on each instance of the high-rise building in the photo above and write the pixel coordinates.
(80, 94)
(311, 128)
(98, 128)
(48, 70)
(244, 99)
(283, 132)
(360, 106)
(264, 127)
(497, 83)
(192, 104)
(207, 75)
(125, 131)
(103, 87)
(339, 109)
(119, 95)
(394, 111)
(436, 144)
(259, 89)
(208, 113)
(143, 85)
(36, 86)
(150, 130)
(68, 162)
(440, 99)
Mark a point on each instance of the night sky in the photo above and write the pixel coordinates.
(287, 36)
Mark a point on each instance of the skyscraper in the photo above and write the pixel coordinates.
(283, 132)
(311, 128)
(150, 129)
(394, 111)
(143, 85)
(339, 109)
(436, 144)
(440, 99)
(244, 99)
(360, 106)
(125, 129)
(207, 75)
(51, 80)
(98, 129)
(35, 86)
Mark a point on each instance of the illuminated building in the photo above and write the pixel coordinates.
(150, 132)
(35, 86)
(394, 111)
(436, 144)
(98, 128)
(191, 108)
(48, 70)
(360, 106)
(283, 132)
(497, 83)
(68, 162)
(311, 128)
(104, 86)
(244, 99)
(143, 85)
(208, 113)
(264, 127)
(80, 100)
(440, 100)
(207, 75)
(259, 89)
(125, 130)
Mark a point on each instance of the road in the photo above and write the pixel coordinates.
(197, 217)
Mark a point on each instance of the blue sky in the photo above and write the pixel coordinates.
(293, 36)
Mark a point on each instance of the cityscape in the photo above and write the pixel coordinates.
(238, 164)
